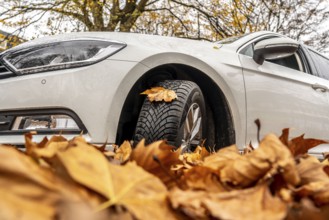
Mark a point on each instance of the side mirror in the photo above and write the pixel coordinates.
(274, 48)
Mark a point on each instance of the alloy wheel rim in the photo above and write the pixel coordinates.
(192, 128)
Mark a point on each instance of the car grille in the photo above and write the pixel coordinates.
(4, 72)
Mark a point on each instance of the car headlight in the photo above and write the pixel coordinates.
(59, 55)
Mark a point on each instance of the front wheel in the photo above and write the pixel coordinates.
(180, 122)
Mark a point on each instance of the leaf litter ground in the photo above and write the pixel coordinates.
(72, 179)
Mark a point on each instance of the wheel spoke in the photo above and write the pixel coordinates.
(192, 127)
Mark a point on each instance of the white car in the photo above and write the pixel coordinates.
(90, 83)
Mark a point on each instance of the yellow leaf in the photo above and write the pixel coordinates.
(123, 152)
(27, 191)
(159, 94)
(87, 166)
(141, 193)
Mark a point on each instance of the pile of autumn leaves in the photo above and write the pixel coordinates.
(61, 179)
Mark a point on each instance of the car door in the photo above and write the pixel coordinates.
(284, 96)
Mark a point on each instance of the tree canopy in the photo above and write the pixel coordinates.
(196, 19)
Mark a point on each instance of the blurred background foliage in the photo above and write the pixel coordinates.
(211, 20)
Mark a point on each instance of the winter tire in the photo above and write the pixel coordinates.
(180, 122)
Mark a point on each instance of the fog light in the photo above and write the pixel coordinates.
(44, 122)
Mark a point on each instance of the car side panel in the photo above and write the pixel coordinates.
(284, 98)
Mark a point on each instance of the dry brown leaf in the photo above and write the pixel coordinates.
(220, 159)
(299, 145)
(256, 203)
(143, 194)
(202, 178)
(195, 157)
(314, 180)
(306, 210)
(157, 158)
(189, 202)
(159, 94)
(270, 158)
(87, 166)
(123, 152)
(27, 191)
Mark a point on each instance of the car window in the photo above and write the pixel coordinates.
(294, 61)
(321, 63)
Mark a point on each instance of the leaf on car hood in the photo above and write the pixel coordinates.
(159, 94)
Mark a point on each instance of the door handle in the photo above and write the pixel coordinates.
(319, 88)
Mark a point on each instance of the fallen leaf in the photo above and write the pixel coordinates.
(306, 210)
(143, 194)
(123, 152)
(189, 202)
(224, 156)
(27, 191)
(237, 204)
(256, 202)
(87, 166)
(202, 178)
(270, 158)
(159, 94)
(299, 145)
(157, 158)
(314, 180)
(195, 157)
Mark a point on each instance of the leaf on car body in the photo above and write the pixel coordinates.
(159, 94)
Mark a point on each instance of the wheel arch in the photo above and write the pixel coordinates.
(178, 68)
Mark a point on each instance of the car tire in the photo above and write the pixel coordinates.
(181, 122)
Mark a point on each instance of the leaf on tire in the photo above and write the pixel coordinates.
(159, 94)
